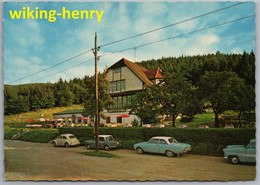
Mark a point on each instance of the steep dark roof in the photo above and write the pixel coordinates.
(154, 74)
(139, 71)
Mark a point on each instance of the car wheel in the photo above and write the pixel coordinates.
(234, 160)
(67, 145)
(54, 144)
(88, 147)
(169, 153)
(107, 148)
(139, 150)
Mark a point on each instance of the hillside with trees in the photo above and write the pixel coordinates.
(225, 81)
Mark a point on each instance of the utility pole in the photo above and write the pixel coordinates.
(134, 53)
(96, 80)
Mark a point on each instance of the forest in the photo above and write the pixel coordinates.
(194, 80)
(223, 82)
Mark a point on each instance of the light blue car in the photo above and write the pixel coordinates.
(163, 145)
(241, 153)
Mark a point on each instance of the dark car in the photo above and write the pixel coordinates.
(106, 142)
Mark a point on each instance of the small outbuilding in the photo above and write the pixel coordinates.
(73, 115)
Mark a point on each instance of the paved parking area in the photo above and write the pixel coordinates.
(42, 161)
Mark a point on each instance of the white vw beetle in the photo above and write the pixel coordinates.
(66, 140)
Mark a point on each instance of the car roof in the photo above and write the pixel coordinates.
(161, 137)
(67, 135)
(104, 135)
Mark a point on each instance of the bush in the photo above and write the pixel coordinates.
(186, 119)
(10, 132)
(128, 144)
(135, 123)
(41, 135)
(207, 149)
(118, 133)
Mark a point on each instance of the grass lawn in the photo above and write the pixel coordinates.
(100, 154)
(199, 119)
(47, 114)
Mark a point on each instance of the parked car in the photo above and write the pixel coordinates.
(241, 153)
(66, 140)
(106, 142)
(164, 145)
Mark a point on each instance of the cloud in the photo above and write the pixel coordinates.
(236, 50)
(20, 62)
(208, 39)
(187, 25)
(26, 33)
(30, 45)
(35, 60)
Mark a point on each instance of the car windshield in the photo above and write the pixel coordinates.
(110, 138)
(172, 140)
(71, 137)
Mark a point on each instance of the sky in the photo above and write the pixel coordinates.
(33, 48)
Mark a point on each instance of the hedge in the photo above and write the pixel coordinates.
(39, 135)
(10, 132)
(204, 141)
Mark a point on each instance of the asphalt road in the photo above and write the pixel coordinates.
(42, 161)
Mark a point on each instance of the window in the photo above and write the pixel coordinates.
(101, 139)
(124, 101)
(114, 86)
(110, 138)
(154, 141)
(119, 120)
(162, 141)
(111, 87)
(108, 119)
(118, 86)
(115, 105)
(252, 145)
(119, 100)
(172, 140)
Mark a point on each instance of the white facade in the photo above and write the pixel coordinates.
(122, 80)
(67, 116)
(114, 115)
(126, 79)
(132, 82)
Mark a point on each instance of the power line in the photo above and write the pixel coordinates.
(63, 70)
(52, 66)
(146, 44)
(181, 35)
(173, 24)
(108, 28)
